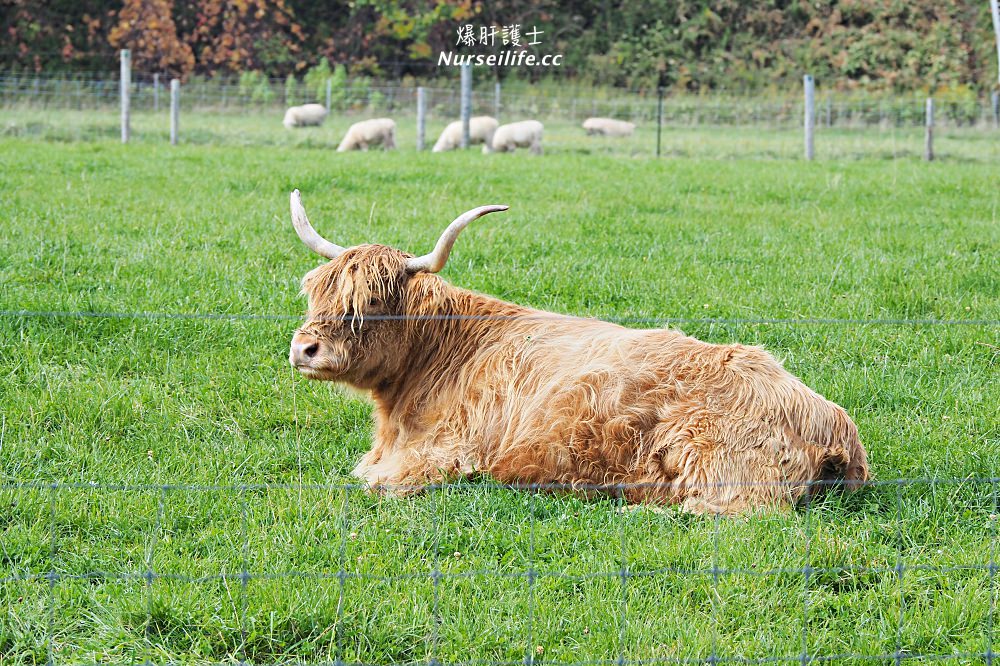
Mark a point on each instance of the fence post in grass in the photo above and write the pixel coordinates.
(421, 117)
(329, 94)
(995, 98)
(496, 101)
(466, 102)
(659, 118)
(156, 92)
(810, 114)
(995, 11)
(929, 134)
(124, 85)
(175, 109)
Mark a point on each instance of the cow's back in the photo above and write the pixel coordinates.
(678, 416)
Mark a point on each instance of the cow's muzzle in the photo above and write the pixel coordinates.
(304, 350)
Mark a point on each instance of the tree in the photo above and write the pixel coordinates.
(55, 35)
(147, 28)
(237, 35)
(315, 80)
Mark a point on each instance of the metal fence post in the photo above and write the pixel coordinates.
(421, 117)
(124, 85)
(995, 11)
(175, 109)
(810, 114)
(996, 108)
(929, 135)
(466, 102)
(659, 118)
(496, 101)
(329, 94)
(156, 92)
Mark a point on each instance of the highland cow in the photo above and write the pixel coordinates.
(466, 384)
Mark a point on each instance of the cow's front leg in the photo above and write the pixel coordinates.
(400, 473)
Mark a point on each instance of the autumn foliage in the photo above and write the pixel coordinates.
(241, 35)
(147, 28)
(693, 45)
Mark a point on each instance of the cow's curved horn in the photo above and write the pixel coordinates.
(436, 260)
(309, 236)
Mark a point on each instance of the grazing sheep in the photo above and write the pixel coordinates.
(481, 129)
(608, 127)
(525, 134)
(305, 115)
(465, 384)
(374, 132)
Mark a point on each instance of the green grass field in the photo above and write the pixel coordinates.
(143, 406)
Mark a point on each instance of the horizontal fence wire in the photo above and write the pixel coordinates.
(526, 486)
(542, 316)
(529, 575)
(889, 657)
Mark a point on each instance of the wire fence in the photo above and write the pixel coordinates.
(652, 587)
(84, 107)
(648, 321)
(149, 92)
(977, 506)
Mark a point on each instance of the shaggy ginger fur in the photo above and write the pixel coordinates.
(465, 383)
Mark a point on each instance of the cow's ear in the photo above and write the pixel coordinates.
(308, 280)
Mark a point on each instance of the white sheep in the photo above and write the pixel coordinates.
(374, 132)
(481, 129)
(301, 116)
(608, 127)
(524, 134)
